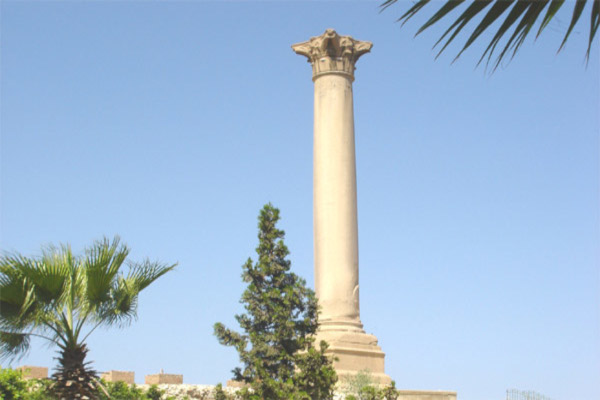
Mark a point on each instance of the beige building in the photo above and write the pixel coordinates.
(119, 376)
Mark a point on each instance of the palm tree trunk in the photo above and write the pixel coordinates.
(73, 378)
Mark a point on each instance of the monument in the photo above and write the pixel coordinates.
(333, 58)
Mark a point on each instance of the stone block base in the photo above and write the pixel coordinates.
(31, 372)
(119, 376)
(355, 351)
(158, 379)
(426, 395)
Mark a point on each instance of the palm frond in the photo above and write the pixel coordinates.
(412, 11)
(13, 345)
(515, 13)
(47, 276)
(493, 14)
(531, 11)
(446, 8)
(552, 10)
(471, 12)
(143, 274)
(527, 12)
(101, 266)
(594, 22)
(17, 298)
(577, 10)
(122, 309)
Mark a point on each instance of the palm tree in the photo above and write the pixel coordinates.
(524, 13)
(63, 298)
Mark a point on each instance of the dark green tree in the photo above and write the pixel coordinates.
(517, 17)
(276, 347)
(63, 298)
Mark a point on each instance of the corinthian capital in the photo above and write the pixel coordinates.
(332, 53)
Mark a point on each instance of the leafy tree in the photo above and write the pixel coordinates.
(277, 346)
(523, 14)
(63, 298)
(12, 384)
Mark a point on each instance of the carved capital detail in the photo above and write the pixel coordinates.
(332, 53)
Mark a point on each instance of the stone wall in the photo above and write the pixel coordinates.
(31, 372)
(426, 395)
(158, 379)
(119, 376)
(205, 392)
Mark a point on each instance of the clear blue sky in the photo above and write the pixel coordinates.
(172, 123)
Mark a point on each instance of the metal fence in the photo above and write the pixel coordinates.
(514, 394)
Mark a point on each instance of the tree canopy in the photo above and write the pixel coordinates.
(276, 347)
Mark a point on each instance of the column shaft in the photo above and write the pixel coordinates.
(335, 211)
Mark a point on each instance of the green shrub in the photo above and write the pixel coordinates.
(120, 391)
(154, 393)
(39, 389)
(12, 384)
(124, 391)
(219, 393)
(14, 387)
(362, 387)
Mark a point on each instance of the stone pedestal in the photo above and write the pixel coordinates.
(333, 59)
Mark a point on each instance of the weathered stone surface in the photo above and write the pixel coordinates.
(332, 53)
(32, 372)
(116, 376)
(157, 379)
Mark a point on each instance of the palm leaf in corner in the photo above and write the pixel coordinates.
(517, 18)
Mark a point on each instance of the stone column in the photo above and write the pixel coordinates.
(333, 59)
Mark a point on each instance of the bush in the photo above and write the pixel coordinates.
(14, 387)
(12, 384)
(362, 387)
(123, 391)
(120, 391)
(39, 389)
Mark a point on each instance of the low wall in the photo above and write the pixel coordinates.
(157, 379)
(205, 392)
(426, 395)
(193, 392)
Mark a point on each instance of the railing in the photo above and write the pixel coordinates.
(514, 394)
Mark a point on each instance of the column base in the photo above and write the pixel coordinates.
(355, 350)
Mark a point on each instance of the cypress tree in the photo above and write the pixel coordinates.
(277, 347)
